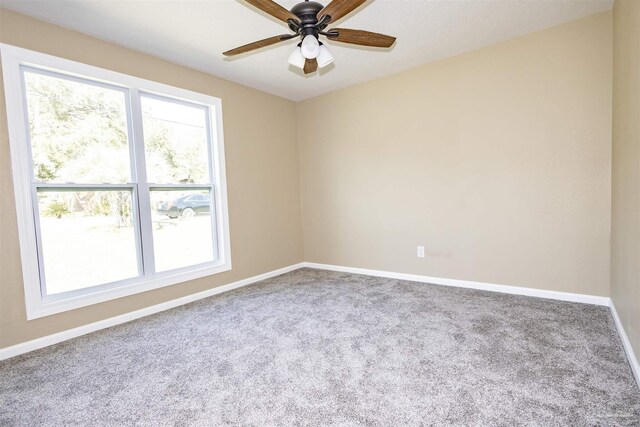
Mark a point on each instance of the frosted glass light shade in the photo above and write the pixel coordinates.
(310, 47)
(324, 56)
(296, 59)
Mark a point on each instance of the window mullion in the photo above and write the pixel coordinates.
(212, 179)
(140, 173)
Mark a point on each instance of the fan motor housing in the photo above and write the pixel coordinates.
(307, 12)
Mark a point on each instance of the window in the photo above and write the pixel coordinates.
(119, 182)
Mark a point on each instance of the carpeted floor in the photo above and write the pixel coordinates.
(321, 348)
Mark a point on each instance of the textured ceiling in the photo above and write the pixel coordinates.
(196, 32)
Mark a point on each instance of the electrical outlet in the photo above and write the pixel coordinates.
(420, 251)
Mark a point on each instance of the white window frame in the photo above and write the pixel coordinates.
(37, 304)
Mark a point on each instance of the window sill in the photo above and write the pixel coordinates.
(48, 306)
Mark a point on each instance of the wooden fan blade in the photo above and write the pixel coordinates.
(310, 66)
(339, 8)
(273, 9)
(362, 38)
(257, 45)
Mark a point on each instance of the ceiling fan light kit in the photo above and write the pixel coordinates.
(298, 58)
(309, 20)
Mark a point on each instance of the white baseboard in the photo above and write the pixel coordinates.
(38, 343)
(505, 289)
(633, 361)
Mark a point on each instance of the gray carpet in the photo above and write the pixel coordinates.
(320, 348)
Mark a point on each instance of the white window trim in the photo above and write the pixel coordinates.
(12, 58)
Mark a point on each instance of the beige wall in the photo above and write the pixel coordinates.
(262, 173)
(625, 248)
(497, 161)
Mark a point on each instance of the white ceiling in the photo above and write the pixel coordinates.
(196, 32)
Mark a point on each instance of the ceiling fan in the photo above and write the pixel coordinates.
(309, 20)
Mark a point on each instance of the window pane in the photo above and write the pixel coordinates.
(175, 140)
(78, 131)
(181, 228)
(88, 238)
